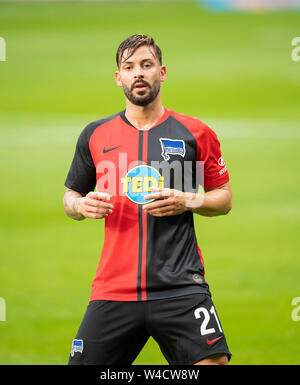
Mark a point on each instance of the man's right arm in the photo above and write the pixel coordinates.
(78, 204)
(92, 205)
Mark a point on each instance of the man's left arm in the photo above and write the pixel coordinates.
(213, 202)
(217, 198)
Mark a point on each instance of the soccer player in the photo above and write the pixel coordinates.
(150, 280)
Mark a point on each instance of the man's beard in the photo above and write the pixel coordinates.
(142, 100)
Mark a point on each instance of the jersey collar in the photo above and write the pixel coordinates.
(164, 117)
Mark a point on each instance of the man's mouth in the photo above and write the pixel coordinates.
(140, 86)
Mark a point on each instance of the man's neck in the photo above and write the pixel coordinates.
(143, 118)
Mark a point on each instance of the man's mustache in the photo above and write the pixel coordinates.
(141, 82)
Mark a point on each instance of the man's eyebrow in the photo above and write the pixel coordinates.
(144, 60)
(149, 59)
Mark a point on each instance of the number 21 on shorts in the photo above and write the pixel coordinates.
(202, 311)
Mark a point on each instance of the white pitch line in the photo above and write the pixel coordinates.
(60, 135)
(256, 128)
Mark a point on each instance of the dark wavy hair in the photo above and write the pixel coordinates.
(132, 43)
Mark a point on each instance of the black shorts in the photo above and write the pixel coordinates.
(187, 329)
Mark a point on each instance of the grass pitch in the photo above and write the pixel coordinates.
(234, 72)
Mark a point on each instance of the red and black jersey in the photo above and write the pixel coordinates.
(146, 257)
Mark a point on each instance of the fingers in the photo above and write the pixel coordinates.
(157, 204)
(98, 195)
(96, 214)
(99, 210)
(160, 208)
(97, 203)
(167, 202)
(162, 212)
(163, 197)
(93, 205)
(159, 193)
(162, 193)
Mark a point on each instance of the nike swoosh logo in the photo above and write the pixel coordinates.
(209, 342)
(109, 149)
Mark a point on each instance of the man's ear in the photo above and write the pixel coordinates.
(163, 73)
(118, 79)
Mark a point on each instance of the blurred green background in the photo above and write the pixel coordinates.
(232, 71)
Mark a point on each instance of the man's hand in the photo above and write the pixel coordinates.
(93, 205)
(169, 202)
(215, 201)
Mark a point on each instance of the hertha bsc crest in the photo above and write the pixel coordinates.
(77, 346)
(172, 147)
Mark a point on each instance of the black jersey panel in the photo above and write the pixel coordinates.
(172, 150)
(82, 173)
(173, 260)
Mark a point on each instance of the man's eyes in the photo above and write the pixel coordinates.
(147, 65)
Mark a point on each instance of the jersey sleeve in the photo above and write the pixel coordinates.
(82, 174)
(215, 170)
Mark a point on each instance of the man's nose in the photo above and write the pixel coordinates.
(139, 72)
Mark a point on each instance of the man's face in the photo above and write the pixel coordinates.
(140, 76)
